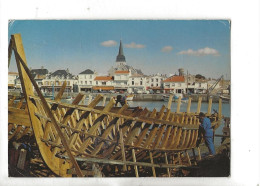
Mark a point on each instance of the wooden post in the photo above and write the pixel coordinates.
(199, 156)
(194, 156)
(178, 105)
(104, 101)
(210, 105)
(189, 104)
(170, 102)
(122, 148)
(151, 158)
(135, 166)
(89, 99)
(220, 110)
(22, 159)
(83, 100)
(188, 157)
(199, 104)
(179, 157)
(166, 161)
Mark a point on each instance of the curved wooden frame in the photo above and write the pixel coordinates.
(69, 133)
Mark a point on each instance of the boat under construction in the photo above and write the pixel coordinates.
(100, 138)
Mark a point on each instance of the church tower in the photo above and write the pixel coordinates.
(120, 59)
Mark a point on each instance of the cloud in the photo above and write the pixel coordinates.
(200, 52)
(167, 49)
(109, 43)
(134, 45)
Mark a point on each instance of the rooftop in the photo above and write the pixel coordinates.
(104, 78)
(88, 71)
(175, 79)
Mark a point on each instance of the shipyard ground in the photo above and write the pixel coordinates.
(216, 166)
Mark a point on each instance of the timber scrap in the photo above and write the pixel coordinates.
(71, 136)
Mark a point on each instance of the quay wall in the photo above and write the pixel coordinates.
(137, 97)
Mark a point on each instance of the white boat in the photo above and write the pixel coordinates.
(225, 98)
(175, 98)
(130, 97)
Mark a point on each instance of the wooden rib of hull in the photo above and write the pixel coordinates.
(100, 134)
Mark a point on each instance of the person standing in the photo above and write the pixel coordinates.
(206, 130)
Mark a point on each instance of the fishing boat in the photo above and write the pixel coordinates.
(225, 97)
(130, 97)
(74, 138)
(175, 98)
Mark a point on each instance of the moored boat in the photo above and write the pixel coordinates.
(130, 97)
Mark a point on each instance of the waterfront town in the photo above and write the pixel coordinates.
(97, 105)
(123, 78)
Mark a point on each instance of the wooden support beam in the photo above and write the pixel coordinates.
(188, 157)
(27, 80)
(166, 161)
(104, 101)
(209, 105)
(170, 102)
(199, 156)
(178, 105)
(135, 166)
(194, 156)
(59, 95)
(189, 104)
(199, 105)
(151, 159)
(179, 157)
(123, 149)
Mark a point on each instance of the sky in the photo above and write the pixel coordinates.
(154, 46)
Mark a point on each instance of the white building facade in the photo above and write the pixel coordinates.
(86, 80)
(55, 81)
(175, 85)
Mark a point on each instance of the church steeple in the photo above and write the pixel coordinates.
(120, 59)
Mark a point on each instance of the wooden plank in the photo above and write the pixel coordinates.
(119, 162)
(170, 102)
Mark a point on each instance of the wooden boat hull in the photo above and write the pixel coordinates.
(67, 134)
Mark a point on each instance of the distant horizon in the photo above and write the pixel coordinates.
(197, 46)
